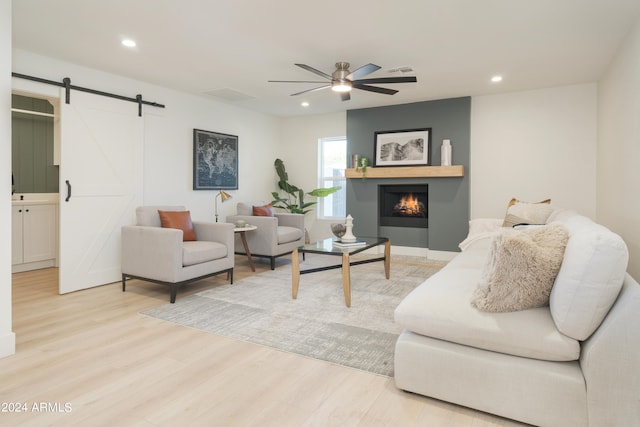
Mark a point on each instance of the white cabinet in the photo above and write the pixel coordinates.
(34, 236)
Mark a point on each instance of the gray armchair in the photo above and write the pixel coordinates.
(159, 255)
(276, 235)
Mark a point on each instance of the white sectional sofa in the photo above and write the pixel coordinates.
(574, 362)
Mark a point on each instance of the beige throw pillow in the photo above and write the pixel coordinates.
(519, 212)
(521, 268)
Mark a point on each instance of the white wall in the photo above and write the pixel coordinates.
(618, 204)
(531, 145)
(7, 337)
(534, 145)
(168, 140)
(299, 152)
(168, 155)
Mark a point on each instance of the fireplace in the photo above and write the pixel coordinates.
(403, 205)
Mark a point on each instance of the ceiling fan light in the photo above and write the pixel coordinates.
(341, 86)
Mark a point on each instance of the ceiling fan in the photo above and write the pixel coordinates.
(342, 80)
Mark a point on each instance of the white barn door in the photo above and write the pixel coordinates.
(100, 186)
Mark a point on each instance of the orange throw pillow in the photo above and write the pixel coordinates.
(266, 210)
(180, 220)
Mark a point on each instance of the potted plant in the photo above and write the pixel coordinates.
(294, 200)
(363, 162)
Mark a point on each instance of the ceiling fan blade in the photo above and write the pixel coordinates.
(375, 89)
(311, 90)
(409, 79)
(363, 71)
(314, 71)
(345, 96)
(294, 81)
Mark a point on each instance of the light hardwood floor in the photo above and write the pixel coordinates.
(90, 358)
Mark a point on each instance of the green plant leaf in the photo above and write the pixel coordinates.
(324, 192)
(295, 203)
(288, 188)
(280, 170)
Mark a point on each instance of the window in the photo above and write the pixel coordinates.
(332, 159)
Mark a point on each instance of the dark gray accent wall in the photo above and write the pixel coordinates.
(448, 197)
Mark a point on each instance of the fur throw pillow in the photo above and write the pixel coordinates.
(521, 268)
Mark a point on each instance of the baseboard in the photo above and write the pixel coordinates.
(442, 255)
(7, 344)
(20, 268)
(409, 251)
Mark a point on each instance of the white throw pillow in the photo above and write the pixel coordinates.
(481, 228)
(520, 269)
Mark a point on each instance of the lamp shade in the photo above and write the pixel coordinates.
(224, 196)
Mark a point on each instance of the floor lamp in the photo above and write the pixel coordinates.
(224, 196)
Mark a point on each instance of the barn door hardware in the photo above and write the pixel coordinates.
(66, 84)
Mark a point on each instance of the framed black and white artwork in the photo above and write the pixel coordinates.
(215, 161)
(403, 147)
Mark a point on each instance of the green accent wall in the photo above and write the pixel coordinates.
(32, 147)
(448, 197)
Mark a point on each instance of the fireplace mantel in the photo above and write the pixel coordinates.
(408, 172)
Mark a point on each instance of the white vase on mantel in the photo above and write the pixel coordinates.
(445, 153)
(348, 235)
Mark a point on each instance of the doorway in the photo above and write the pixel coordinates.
(35, 182)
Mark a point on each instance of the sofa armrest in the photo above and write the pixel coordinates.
(151, 252)
(610, 362)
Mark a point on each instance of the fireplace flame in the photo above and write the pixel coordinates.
(409, 206)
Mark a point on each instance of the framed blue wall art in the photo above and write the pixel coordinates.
(215, 161)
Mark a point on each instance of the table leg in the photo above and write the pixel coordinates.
(387, 259)
(295, 273)
(246, 249)
(346, 278)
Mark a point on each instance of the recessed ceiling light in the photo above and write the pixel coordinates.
(496, 79)
(128, 43)
(305, 104)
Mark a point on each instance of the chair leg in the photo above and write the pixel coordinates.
(230, 274)
(124, 279)
(273, 263)
(174, 291)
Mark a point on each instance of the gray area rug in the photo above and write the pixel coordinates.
(317, 324)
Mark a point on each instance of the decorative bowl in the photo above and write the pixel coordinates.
(240, 223)
(338, 230)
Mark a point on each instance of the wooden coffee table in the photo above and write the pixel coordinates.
(327, 247)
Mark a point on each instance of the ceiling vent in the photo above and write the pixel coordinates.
(401, 70)
(230, 95)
